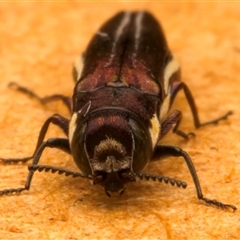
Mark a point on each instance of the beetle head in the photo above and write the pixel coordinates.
(111, 152)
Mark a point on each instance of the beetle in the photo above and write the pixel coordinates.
(120, 109)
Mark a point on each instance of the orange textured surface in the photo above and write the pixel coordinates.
(39, 42)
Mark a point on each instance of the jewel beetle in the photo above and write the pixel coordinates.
(126, 82)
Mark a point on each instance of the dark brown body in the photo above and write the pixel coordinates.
(122, 81)
(124, 89)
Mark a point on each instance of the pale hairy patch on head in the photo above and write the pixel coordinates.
(111, 163)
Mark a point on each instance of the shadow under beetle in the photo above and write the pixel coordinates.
(124, 89)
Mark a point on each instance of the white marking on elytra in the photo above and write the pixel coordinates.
(118, 33)
(102, 34)
(138, 22)
(88, 105)
(170, 69)
(164, 108)
(73, 121)
(155, 129)
(78, 65)
(72, 127)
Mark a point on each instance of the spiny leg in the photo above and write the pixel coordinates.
(60, 143)
(55, 97)
(56, 119)
(175, 88)
(161, 151)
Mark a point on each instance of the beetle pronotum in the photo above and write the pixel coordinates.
(124, 89)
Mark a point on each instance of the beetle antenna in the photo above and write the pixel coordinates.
(58, 170)
(165, 179)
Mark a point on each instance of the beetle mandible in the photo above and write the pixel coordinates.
(120, 108)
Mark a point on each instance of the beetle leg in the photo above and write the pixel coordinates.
(161, 151)
(56, 119)
(59, 143)
(176, 87)
(173, 121)
(66, 100)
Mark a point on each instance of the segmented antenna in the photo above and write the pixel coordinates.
(164, 179)
(58, 170)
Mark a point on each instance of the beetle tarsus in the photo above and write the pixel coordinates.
(12, 191)
(15, 160)
(186, 136)
(216, 121)
(218, 204)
